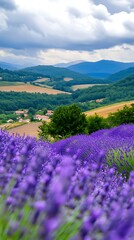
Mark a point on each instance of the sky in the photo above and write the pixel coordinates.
(61, 31)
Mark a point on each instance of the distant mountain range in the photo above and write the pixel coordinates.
(104, 71)
(9, 66)
(100, 69)
(12, 66)
(55, 72)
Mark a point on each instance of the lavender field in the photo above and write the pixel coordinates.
(80, 188)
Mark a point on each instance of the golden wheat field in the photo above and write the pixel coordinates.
(31, 89)
(30, 129)
(105, 111)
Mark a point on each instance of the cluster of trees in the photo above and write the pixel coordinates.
(11, 101)
(18, 75)
(122, 90)
(126, 115)
(5, 117)
(66, 121)
(69, 120)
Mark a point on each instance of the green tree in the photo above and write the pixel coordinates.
(31, 111)
(126, 115)
(95, 123)
(66, 121)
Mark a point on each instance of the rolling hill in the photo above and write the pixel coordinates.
(56, 76)
(55, 72)
(121, 75)
(18, 76)
(100, 69)
(115, 92)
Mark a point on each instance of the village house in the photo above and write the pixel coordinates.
(19, 112)
(99, 100)
(10, 121)
(49, 113)
(22, 112)
(41, 117)
(24, 120)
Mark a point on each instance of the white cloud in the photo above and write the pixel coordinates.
(123, 53)
(74, 26)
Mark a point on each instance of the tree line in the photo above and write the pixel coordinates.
(69, 120)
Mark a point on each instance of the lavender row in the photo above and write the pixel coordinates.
(65, 190)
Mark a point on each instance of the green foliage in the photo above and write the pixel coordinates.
(95, 123)
(115, 92)
(31, 111)
(68, 229)
(126, 115)
(9, 227)
(122, 160)
(11, 101)
(18, 76)
(5, 117)
(69, 120)
(66, 121)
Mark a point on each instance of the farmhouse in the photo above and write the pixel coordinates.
(19, 112)
(10, 121)
(49, 113)
(99, 100)
(41, 117)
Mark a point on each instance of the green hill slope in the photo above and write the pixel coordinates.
(119, 91)
(121, 75)
(55, 72)
(18, 76)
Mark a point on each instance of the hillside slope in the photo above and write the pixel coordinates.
(121, 75)
(56, 72)
(115, 92)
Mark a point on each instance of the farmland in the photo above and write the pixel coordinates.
(41, 80)
(30, 89)
(106, 110)
(6, 83)
(83, 86)
(67, 79)
(30, 129)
